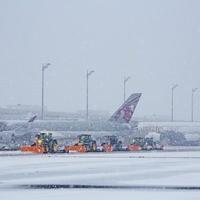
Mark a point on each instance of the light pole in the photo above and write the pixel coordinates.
(172, 101)
(125, 81)
(192, 103)
(88, 74)
(44, 66)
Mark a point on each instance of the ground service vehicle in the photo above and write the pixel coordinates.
(85, 144)
(44, 143)
(144, 144)
(150, 144)
(111, 143)
(137, 144)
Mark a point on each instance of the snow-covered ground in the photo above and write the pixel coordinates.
(143, 169)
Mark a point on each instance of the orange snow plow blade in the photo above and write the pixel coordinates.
(76, 148)
(134, 148)
(33, 149)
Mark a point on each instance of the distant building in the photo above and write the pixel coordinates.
(30, 108)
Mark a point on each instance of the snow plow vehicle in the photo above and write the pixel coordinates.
(144, 144)
(111, 143)
(85, 144)
(44, 143)
(137, 144)
(150, 144)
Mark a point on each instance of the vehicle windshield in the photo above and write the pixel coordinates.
(85, 138)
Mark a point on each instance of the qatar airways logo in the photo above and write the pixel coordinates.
(128, 112)
(125, 113)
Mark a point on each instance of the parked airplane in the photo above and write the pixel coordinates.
(118, 123)
(183, 127)
(8, 132)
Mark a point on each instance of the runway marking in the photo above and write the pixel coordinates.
(136, 187)
(104, 155)
(15, 155)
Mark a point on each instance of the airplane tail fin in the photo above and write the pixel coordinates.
(125, 112)
(32, 119)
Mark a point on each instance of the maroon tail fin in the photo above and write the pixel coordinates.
(125, 112)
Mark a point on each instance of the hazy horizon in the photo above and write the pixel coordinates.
(156, 43)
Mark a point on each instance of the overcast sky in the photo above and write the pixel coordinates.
(155, 42)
